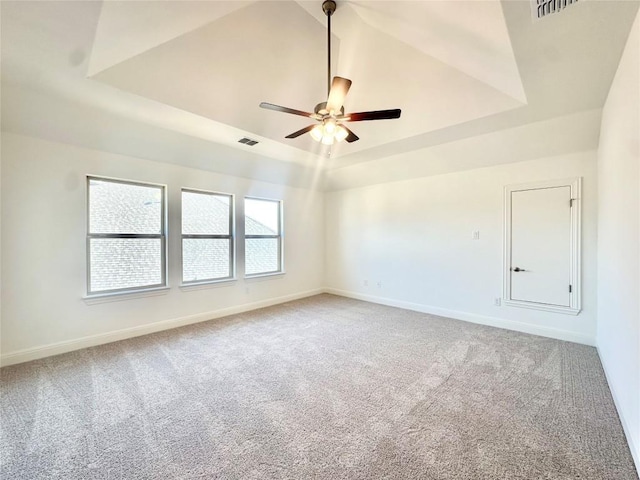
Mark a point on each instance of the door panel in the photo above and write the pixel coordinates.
(541, 245)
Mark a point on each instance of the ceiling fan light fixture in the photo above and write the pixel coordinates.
(329, 132)
(317, 133)
(330, 126)
(341, 133)
(328, 140)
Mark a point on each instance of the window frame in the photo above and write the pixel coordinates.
(162, 236)
(231, 237)
(280, 237)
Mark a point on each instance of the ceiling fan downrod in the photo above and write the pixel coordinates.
(328, 7)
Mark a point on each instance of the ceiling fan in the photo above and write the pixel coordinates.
(330, 114)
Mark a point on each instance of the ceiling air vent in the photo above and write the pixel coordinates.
(248, 141)
(542, 8)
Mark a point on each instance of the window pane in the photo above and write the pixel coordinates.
(124, 208)
(261, 217)
(261, 255)
(205, 259)
(125, 263)
(205, 214)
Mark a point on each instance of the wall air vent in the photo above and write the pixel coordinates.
(542, 8)
(248, 141)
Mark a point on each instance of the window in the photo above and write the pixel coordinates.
(263, 236)
(125, 236)
(207, 236)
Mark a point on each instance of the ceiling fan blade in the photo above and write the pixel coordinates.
(300, 132)
(278, 108)
(339, 88)
(352, 137)
(373, 115)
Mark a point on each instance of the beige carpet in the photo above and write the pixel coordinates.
(322, 388)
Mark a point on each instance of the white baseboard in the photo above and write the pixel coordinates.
(633, 445)
(36, 353)
(472, 317)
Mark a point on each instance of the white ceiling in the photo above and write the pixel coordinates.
(223, 71)
(196, 72)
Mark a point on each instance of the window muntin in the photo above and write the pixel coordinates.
(263, 236)
(207, 237)
(125, 236)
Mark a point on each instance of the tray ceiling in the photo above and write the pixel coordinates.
(180, 81)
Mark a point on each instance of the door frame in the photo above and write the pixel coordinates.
(575, 301)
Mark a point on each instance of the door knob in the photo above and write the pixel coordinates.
(518, 269)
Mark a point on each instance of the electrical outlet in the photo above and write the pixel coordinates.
(497, 301)
(365, 283)
(379, 284)
(475, 235)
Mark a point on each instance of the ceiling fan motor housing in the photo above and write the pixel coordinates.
(321, 109)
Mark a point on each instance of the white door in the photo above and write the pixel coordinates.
(541, 236)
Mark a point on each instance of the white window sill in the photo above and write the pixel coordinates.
(187, 287)
(259, 276)
(97, 298)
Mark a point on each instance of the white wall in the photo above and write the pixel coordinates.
(619, 240)
(44, 255)
(415, 236)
